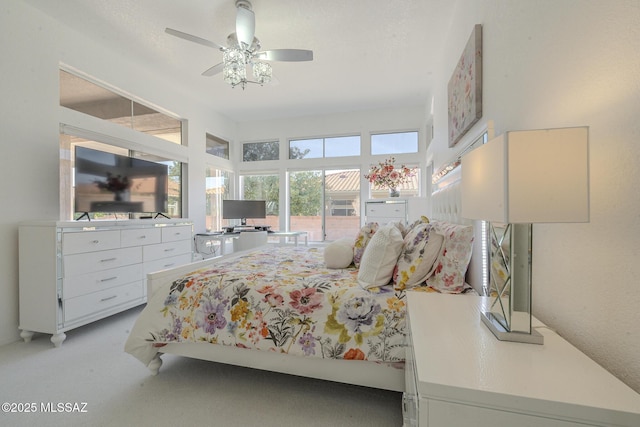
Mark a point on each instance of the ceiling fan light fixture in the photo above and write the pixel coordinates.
(243, 49)
(235, 68)
(262, 72)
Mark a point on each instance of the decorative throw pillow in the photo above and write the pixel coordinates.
(362, 240)
(339, 254)
(400, 226)
(453, 260)
(423, 220)
(421, 248)
(380, 257)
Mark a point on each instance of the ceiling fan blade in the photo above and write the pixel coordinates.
(245, 26)
(292, 55)
(213, 70)
(192, 38)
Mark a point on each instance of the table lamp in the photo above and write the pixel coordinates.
(515, 180)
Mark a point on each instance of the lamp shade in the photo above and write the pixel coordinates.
(532, 176)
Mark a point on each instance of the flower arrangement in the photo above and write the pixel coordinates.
(386, 174)
(114, 183)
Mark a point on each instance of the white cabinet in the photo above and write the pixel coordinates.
(459, 374)
(395, 209)
(76, 272)
(384, 211)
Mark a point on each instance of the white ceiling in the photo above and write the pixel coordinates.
(368, 54)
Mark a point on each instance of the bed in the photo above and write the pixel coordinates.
(283, 309)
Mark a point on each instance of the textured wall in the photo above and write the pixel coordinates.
(571, 63)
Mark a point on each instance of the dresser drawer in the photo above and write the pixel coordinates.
(98, 281)
(179, 232)
(386, 210)
(165, 263)
(140, 236)
(91, 304)
(165, 250)
(98, 261)
(90, 241)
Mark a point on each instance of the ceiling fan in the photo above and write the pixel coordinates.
(243, 50)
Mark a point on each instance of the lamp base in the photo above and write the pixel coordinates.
(502, 334)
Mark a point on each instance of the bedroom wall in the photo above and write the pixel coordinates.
(570, 63)
(32, 46)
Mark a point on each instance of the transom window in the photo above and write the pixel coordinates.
(257, 151)
(81, 95)
(394, 143)
(217, 146)
(324, 147)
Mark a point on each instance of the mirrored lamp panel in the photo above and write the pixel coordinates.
(518, 179)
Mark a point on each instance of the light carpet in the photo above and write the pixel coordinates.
(91, 381)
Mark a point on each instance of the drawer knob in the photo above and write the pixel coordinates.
(108, 279)
(95, 241)
(108, 259)
(108, 298)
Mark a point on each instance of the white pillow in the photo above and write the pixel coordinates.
(339, 254)
(380, 257)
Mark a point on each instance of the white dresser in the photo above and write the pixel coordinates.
(395, 209)
(458, 374)
(76, 272)
(384, 211)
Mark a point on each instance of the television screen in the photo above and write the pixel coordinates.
(243, 209)
(107, 182)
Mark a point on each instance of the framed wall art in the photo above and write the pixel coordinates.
(465, 89)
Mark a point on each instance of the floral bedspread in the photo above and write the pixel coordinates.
(280, 299)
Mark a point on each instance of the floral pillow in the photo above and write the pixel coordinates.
(453, 260)
(421, 248)
(362, 240)
(423, 220)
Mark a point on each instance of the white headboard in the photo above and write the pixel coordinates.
(446, 206)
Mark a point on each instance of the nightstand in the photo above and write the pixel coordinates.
(459, 374)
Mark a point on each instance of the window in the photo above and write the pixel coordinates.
(257, 151)
(263, 187)
(306, 204)
(325, 203)
(217, 146)
(324, 147)
(342, 207)
(217, 188)
(305, 149)
(86, 97)
(394, 143)
(342, 146)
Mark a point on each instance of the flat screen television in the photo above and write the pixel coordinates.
(108, 182)
(243, 209)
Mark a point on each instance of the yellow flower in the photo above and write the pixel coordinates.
(395, 304)
(239, 311)
(186, 332)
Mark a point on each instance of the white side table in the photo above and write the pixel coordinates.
(459, 374)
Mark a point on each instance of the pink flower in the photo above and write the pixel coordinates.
(306, 300)
(387, 175)
(274, 300)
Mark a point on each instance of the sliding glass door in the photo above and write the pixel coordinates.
(325, 203)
